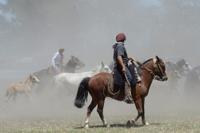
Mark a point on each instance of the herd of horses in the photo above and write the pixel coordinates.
(40, 79)
(47, 79)
(179, 71)
(99, 83)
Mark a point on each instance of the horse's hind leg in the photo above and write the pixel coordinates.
(100, 112)
(89, 111)
(9, 95)
(14, 95)
(28, 95)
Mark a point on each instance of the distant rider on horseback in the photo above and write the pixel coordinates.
(125, 71)
(57, 61)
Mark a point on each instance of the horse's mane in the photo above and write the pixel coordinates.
(27, 80)
(146, 61)
(139, 68)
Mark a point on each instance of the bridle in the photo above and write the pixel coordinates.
(160, 70)
(148, 70)
(153, 73)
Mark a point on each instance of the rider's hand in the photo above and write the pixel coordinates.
(123, 69)
(139, 83)
(130, 58)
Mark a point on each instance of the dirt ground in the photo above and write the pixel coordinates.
(166, 111)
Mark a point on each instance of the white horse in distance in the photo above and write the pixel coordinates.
(75, 78)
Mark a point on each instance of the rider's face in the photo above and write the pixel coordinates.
(61, 51)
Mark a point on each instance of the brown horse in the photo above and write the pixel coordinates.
(22, 87)
(101, 86)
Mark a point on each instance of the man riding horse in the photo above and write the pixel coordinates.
(57, 61)
(124, 77)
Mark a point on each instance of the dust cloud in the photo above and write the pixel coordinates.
(31, 31)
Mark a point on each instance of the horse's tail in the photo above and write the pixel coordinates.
(82, 93)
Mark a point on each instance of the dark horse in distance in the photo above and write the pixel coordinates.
(176, 71)
(46, 75)
(192, 82)
(101, 86)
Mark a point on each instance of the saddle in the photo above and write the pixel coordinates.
(119, 77)
(113, 88)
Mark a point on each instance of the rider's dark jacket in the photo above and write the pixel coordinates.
(119, 78)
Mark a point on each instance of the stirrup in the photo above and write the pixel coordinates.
(128, 100)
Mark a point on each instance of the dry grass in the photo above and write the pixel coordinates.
(158, 124)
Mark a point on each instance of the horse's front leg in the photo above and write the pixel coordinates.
(143, 114)
(138, 104)
(100, 112)
(28, 93)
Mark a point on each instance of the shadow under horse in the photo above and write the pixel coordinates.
(101, 86)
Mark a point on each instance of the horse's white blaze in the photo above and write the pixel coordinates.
(34, 78)
(154, 60)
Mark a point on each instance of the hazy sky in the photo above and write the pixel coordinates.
(32, 30)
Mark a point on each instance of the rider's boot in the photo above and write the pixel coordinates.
(128, 96)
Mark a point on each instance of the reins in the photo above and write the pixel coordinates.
(148, 70)
(144, 68)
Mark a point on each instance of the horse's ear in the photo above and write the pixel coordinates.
(30, 76)
(157, 58)
(102, 64)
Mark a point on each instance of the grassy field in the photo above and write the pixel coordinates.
(158, 124)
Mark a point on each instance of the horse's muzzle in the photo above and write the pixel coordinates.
(163, 78)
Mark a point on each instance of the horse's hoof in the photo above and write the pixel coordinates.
(146, 124)
(86, 126)
(130, 123)
(107, 125)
